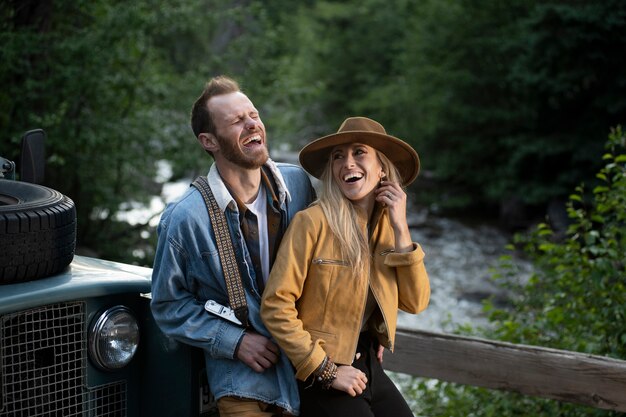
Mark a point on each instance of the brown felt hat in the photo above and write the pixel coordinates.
(314, 156)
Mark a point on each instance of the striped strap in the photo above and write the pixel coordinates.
(234, 286)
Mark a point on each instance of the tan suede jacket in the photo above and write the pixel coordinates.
(312, 304)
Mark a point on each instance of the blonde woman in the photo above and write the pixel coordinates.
(344, 268)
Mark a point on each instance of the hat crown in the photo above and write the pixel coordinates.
(361, 124)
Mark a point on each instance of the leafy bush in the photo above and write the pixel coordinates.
(575, 299)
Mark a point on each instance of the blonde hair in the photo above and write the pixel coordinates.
(343, 219)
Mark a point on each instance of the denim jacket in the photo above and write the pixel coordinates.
(187, 272)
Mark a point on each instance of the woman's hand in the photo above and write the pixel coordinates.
(349, 380)
(394, 197)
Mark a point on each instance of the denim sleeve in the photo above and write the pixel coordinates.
(177, 311)
(299, 185)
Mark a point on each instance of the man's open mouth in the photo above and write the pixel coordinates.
(252, 140)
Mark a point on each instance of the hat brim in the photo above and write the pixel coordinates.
(314, 156)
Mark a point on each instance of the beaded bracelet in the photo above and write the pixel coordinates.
(326, 373)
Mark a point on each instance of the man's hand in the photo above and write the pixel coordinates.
(257, 351)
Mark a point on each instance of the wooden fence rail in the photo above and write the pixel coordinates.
(561, 375)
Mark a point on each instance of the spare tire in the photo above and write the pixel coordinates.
(37, 231)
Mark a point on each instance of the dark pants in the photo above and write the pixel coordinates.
(381, 398)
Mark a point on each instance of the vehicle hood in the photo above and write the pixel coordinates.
(84, 278)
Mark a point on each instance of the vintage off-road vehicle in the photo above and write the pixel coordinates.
(77, 337)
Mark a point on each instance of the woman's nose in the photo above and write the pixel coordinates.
(348, 161)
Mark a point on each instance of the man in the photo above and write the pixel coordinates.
(246, 371)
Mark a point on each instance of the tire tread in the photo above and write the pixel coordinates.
(37, 242)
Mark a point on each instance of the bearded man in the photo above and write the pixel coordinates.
(246, 371)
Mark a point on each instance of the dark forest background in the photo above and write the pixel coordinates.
(509, 105)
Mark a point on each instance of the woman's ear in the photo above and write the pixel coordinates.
(208, 141)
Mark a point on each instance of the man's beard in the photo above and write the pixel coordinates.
(232, 153)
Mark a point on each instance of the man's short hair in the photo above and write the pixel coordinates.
(201, 119)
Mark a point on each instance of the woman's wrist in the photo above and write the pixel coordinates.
(403, 241)
(326, 373)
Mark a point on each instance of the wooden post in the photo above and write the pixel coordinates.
(561, 375)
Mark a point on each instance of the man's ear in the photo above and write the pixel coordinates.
(208, 141)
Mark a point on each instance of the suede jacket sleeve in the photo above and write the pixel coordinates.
(284, 288)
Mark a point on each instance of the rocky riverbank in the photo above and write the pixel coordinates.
(459, 258)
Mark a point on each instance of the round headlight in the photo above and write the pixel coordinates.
(113, 338)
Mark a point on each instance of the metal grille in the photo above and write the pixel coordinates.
(43, 364)
(108, 400)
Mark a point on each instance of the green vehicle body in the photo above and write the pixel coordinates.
(47, 367)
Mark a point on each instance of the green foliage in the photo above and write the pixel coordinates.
(461, 109)
(343, 51)
(442, 399)
(501, 99)
(99, 79)
(501, 96)
(575, 300)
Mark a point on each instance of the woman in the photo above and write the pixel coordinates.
(345, 266)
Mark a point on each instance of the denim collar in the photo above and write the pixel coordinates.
(225, 200)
